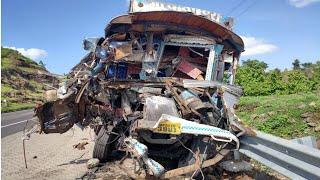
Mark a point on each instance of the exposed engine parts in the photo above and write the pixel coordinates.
(159, 92)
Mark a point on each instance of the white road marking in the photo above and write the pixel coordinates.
(33, 119)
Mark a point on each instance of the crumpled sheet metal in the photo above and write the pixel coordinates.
(189, 127)
(234, 90)
(57, 116)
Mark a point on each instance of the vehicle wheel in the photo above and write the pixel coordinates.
(104, 145)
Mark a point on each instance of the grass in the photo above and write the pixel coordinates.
(16, 107)
(14, 103)
(281, 115)
(33, 69)
(37, 86)
(17, 89)
(10, 57)
(27, 70)
(5, 63)
(6, 89)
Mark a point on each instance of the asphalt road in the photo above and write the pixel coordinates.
(14, 122)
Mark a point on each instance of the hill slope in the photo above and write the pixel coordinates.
(287, 116)
(22, 81)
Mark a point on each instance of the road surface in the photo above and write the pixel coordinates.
(14, 122)
(49, 156)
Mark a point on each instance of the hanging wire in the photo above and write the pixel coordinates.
(26, 136)
(246, 9)
(194, 155)
(235, 7)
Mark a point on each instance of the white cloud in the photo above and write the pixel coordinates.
(302, 3)
(32, 53)
(254, 46)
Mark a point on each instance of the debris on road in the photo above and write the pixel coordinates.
(159, 86)
(80, 146)
(94, 162)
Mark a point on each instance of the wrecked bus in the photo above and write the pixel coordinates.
(159, 85)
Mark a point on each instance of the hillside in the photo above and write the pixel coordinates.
(22, 81)
(287, 116)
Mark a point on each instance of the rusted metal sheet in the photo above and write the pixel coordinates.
(178, 20)
(189, 69)
(123, 51)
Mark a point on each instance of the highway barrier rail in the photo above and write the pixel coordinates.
(291, 159)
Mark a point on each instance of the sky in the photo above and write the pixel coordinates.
(274, 31)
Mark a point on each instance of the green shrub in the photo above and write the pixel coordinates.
(257, 81)
(298, 82)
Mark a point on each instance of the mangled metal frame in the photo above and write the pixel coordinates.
(151, 109)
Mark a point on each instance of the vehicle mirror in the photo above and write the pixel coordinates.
(90, 44)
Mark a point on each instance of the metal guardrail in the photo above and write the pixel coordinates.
(293, 160)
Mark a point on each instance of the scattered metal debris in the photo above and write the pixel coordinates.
(158, 86)
(80, 146)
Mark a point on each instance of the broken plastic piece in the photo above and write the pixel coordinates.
(141, 151)
(189, 127)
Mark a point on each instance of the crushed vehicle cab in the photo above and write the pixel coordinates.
(158, 85)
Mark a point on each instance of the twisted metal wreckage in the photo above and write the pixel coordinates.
(159, 86)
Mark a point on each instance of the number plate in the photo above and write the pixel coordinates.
(167, 127)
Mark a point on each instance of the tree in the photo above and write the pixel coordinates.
(251, 76)
(256, 64)
(296, 64)
(275, 82)
(316, 75)
(307, 69)
(42, 64)
(277, 70)
(306, 65)
(298, 82)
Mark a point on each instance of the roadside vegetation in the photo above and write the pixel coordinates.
(287, 116)
(22, 81)
(257, 81)
(284, 103)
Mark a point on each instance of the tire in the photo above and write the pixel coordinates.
(97, 129)
(104, 145)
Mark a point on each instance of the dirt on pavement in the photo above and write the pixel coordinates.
(49, 156)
